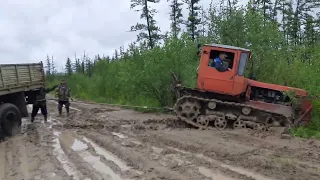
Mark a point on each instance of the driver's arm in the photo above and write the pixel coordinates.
(220, 68)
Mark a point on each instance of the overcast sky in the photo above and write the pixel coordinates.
(31, 29)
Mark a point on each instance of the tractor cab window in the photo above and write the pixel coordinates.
(242, 63)
(228, 62)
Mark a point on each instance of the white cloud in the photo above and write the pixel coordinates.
(31, 29)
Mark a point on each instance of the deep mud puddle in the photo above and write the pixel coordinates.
(108, 155)
(67, 165)
(103, 163)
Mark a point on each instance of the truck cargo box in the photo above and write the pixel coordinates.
(21, 77)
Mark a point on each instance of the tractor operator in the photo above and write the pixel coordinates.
(63, 94)
(217, 62)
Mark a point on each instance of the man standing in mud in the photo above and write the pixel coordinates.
(63, 94)
(41, 103)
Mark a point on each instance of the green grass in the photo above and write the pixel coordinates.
(312, 130)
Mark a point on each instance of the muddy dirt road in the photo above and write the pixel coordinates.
(103, 142)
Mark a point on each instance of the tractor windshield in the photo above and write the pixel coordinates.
(242, 64)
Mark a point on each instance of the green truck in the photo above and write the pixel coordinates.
(19, 84)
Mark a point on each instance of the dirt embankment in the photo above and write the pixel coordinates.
(103, 142)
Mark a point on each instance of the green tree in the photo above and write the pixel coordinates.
(48, 65)
(175, 16)
(284, 41)
(53, 68)
(148, 32)
(193, 19)
(68, 67)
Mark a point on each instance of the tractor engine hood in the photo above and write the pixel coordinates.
(299, 92)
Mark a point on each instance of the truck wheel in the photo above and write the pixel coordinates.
(10, 118)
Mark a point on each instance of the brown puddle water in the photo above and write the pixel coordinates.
(67, 165)
(81, 148)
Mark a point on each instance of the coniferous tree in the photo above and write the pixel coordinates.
(77, 64)
(149, 31)
(88, 66)
(203, 27)
(107, 58)
(99, 58)
(121, 51)
(193, 19)
(176, 17)
(83, 68)
(68, 67)
(48, 65)
(116, 55)
(53, 68)
(266, 7)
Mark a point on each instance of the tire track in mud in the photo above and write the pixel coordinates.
(184, 163)
(205, 167)
(192, 154)
(142, 160)
(90, 159)
(158, 171)
(35, 155)
(16, 159)
(66, 161)
(87, 160)
(29, 156)
(42, 152)
(118, 166)
(258, 159)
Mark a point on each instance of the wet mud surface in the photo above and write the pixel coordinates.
(103, 142)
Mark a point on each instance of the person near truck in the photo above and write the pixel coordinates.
(41, 103)
(63, 94)
(217, 62)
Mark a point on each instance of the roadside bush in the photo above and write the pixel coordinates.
(142, 77)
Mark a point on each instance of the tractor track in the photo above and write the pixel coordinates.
(230, 104)
(103, 142)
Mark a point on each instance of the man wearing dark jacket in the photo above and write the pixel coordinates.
(41, 103)
(63, 94)
(217, 63)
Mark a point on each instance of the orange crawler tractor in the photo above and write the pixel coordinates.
(223, 98)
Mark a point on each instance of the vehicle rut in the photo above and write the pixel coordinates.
(103, 142)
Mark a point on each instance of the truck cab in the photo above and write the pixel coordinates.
(231, 82)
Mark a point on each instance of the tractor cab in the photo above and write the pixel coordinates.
(231, 82)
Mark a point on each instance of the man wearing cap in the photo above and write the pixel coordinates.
(217, 63)
(63, 94)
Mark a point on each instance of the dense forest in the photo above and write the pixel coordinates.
(284, 36)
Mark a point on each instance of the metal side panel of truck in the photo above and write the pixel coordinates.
(19, 86)
(20, 77)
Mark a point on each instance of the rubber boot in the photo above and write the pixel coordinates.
(45, 118)
(59, 109)
(32, 119)
(67, 109)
